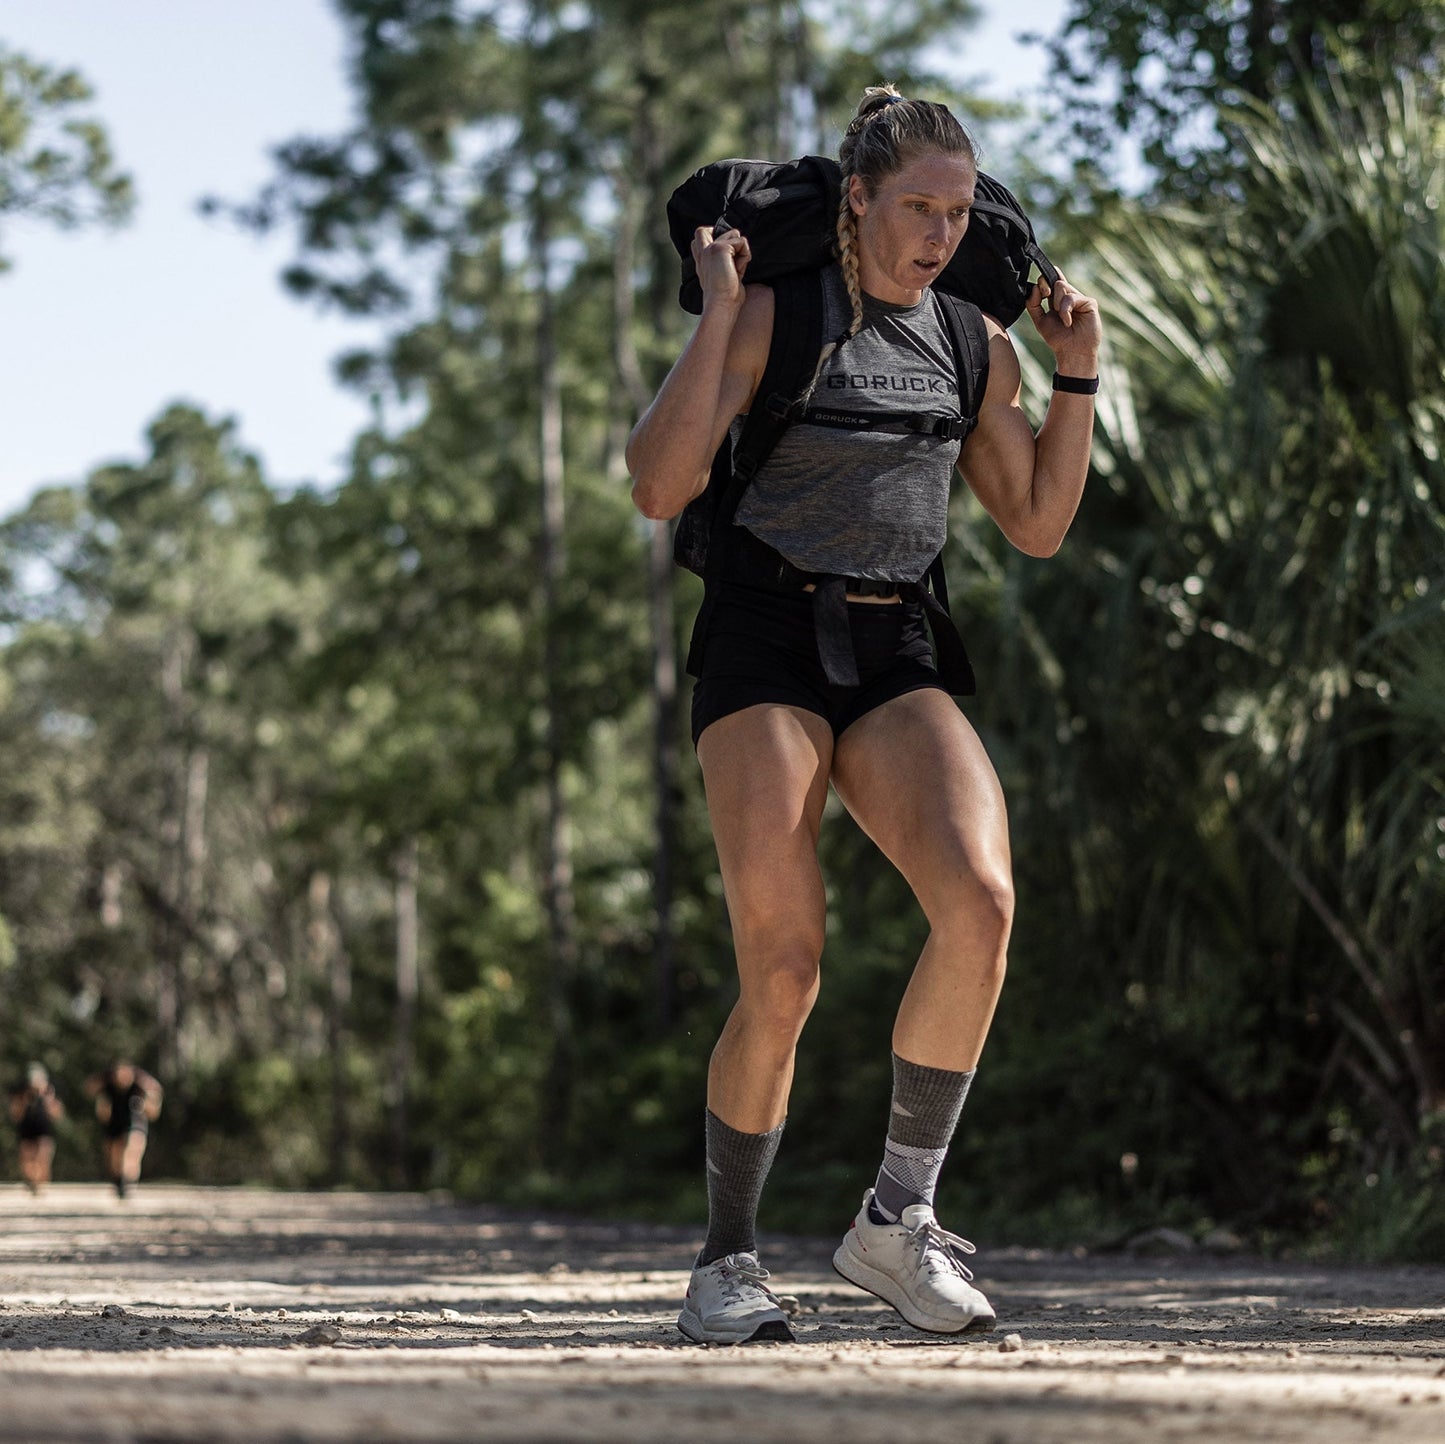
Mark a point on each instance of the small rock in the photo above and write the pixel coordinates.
(1010, 1343)
(280, 1313)
(165, 1332)
(1221, 1240)
(113, 1311)
(789, 1305)
(613, 1314)
(529, 1317)
(1159, 1241)
(320, 1334)
(450, 1314)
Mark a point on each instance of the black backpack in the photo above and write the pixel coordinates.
(788, 210)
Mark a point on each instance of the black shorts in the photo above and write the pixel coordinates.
(761, 646)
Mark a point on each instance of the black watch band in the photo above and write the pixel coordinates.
(1079, 385)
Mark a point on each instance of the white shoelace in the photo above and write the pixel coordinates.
(941, 1249)
(738, 1274)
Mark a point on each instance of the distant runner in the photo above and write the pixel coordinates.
(127, 1102)
(34, 1109)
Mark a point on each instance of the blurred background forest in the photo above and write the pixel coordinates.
(365, 816)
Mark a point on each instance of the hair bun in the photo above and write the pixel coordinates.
(876, 99)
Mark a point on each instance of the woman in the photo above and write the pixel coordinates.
(127, 1102)
(34, 1109)
(772, 732)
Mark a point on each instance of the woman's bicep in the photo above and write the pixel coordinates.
(742, 371)
(747, 356)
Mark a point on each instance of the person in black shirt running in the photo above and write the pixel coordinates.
(127, 1102)
(34, 1109)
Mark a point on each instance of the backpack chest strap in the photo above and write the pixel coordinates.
(901, 423)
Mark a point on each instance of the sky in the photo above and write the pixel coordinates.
(101, 330)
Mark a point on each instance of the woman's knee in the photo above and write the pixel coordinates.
(777, 992)
(977, 896)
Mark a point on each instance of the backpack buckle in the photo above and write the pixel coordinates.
(946, 428)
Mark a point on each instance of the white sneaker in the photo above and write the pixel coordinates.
(728, 1303)
(916, 1266)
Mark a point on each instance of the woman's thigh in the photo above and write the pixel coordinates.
(765, 770)
(915, 776)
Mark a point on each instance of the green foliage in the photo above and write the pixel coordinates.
(55, 159)
(1270, 529)
(1153, 76)
(239, 728)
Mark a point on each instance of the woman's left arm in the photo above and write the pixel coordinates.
(1031, 484)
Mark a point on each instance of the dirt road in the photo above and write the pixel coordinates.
(194, 1314)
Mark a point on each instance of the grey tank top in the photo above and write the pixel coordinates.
(864, 503)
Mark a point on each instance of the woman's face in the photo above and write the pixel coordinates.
(912, 224)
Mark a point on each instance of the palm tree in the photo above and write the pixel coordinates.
(1262, 620)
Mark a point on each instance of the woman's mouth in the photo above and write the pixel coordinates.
(929, 268)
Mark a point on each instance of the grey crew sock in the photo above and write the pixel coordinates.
(737, 1165)
(926, 1105)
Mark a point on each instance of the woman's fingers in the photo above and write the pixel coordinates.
(721, 260)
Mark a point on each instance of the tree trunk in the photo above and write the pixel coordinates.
(664, 644)
(664, 770)
(328, 959)
(557, 882)
(192, 884)
(407, 975)
(171, 872)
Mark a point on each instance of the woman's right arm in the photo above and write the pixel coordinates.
(670, 451)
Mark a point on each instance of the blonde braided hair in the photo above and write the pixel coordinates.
(886, 132)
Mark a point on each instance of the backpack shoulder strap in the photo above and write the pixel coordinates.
(794, 354)
(969, 338)
(793, 358)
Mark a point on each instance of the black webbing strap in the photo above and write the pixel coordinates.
(903, 423)
(969, 337)
(833, 630)
(756, 564)
(955, 671)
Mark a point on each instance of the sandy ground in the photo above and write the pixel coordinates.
(196, 1314)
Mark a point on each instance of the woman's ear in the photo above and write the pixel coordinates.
(857, 195)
